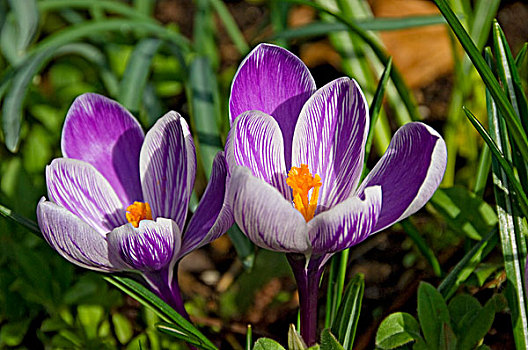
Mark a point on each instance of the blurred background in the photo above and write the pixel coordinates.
(156, 56)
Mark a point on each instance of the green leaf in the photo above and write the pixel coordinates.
(422, 245)
(267, 344)
(329, 341)
(231, 27)
(90, 316)
(521, 56)
(136, 73)
(475, 324)
(27, 20)
(505, 107)
(502, 161)
(396, 330)
(464, 212)
(295, 341)
(345, 323)
(432, 313)
(123, 328)
(244, 247)
(181, 327)
(177, 332)
(205, 110)
(459, 307)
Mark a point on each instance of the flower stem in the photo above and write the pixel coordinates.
(167, 288)
(307, 277)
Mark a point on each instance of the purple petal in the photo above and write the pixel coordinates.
(150, 247)
(168, 167)
(274, 81)
(409, 172)
(255, 141)
(213, 217)
(103, 133)
(262, 213)
(346, 224)
(80, 188)
(72, 238)
(330, 138)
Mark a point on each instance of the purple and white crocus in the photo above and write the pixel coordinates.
(118, 199)
(295, 156)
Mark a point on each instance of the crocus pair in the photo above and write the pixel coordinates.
(118, 199)
(295, 157)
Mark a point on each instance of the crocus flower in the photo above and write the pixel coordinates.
(296, 155)
(118, 198)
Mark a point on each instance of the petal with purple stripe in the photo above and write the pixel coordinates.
(346, 224)
(168, 167)
(409, 172)
(80, 188)
(255, 141)
(275, 81)
(262, 213)
(73, 238)
(330, 138)
(103, 133)
(213, 217)
(150, 247)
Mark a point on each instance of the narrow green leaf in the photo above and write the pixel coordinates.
(422, 246)
(464, 212)
(396, 330)
(346, 321)
(521, 56)
(177, 332)
(375, 108)
(231, 27)
(467, 264)
(505, 165)
(329, 341)
(21, 220)
(267, 344)
(432, 313)
(136, 73)
(27, 20)
(145, 7)
(205, 110)
(483, 170)
(165, 312)
(249, 337)
(491, 82)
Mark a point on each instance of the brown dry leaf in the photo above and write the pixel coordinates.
(421, 54)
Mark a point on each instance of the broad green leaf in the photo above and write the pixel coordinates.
(475, 325)
(432, 314)
(295, 341)
(460, 306)
(267, 344)
(329, 341)
(464, 212)
(136, 73)
(90, 316)
(345, 323)
(396, 330)
(122, 327)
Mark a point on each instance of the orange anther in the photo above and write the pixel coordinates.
(302, 181)
(138, 211)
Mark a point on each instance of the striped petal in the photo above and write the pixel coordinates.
(73, 238)
(80, 188)
(409, 172)
(346, 224)
(274, 81)
(330, 138)
(150, 247)
(262, 213)
(168, 167)
(213, 217)
(255, 141)
(103, 133)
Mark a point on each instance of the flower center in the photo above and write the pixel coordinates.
(138, 211)
(302, 181)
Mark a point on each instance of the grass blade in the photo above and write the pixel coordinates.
(27, 20)
(231, 27)
(486, 74)
(176, 332)
(346, 321)
(136, 73)
(426, 251)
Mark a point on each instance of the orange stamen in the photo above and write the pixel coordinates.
(138, 211)
(302, 181)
